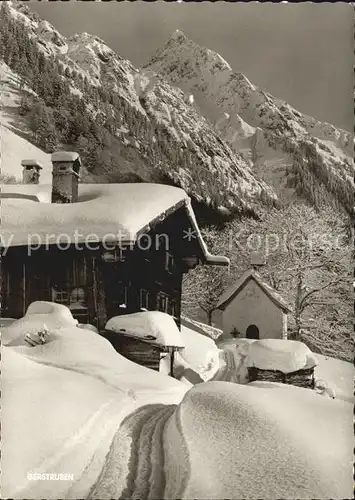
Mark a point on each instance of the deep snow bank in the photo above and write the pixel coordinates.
(259, 441)
(62, 403)
(287, 356)
(200, 356)
(74, 405)
(233, 361)
(338, 375)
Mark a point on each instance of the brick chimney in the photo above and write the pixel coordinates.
(66, 166)
(30, 171)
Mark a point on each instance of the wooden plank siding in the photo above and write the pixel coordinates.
(47, 274)
(139, 352)
(52, 274)
(300, 378)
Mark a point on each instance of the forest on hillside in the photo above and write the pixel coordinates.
(55, 114)
(64, 110)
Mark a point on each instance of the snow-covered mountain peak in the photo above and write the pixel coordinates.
(183, 53)
(156, 129)
(178, 35)
(266, 130)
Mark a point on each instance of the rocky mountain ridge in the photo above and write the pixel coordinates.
(158, 133)
(281, 142)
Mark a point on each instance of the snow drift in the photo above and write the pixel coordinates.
(149, 326)
(72, 393)
(286, 356)
(199, 360)
(234, 441)
(124, 431)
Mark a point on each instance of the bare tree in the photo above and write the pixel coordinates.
(203, 286)
(308, 260)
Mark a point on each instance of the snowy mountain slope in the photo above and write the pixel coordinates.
(159, 134)
(14, 143)
(249, 118)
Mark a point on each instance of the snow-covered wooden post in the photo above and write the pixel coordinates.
(31, 171)
(66, 166)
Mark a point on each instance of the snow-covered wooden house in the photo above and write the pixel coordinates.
(101, 249)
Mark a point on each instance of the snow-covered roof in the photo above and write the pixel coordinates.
(31, 163)
(39, 314)
(206, 330)
(149, 326)
(286, 356)
(111, 212)
(232, 291)
(64, 156)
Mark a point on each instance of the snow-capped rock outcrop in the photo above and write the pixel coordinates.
(101, 65)
(233, 103)
(47, 32)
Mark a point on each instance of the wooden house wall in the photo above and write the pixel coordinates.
(26, 279)
(300, 378)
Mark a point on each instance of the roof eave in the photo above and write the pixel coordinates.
(251, 275)
(217, 260)
(208, 259)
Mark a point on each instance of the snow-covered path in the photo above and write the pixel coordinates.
(232, 441)
(126, 432)
(232, 365)
(144, 429)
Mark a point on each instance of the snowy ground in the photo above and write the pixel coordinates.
(233, 441)
(337, 374)
(125, 431)
(73, 393)
(15, 145)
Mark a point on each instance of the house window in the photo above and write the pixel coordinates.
(163, 302)
(117, 255)
(172, 309)
(74, 299)
(121, 254)
(60, 296)
(144, 299)
(169, 262)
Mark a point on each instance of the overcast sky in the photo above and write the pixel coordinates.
(302, 53)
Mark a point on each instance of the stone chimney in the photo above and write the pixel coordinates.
(66, 166)
(30, 171)
(257, 259)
